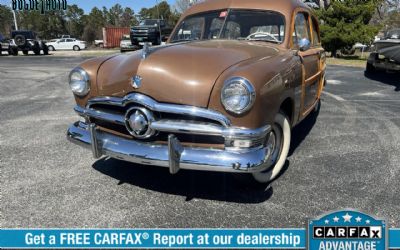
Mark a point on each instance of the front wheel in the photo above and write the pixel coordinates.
(279, 145)
(76, 48)
(51, 48)
(370, 68)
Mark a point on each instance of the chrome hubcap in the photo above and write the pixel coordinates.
(274, 145)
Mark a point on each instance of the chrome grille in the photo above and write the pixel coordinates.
(110, 112)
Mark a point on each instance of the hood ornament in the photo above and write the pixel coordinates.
(136, 81)
(145, 50)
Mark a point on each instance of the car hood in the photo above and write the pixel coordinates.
(182, 73)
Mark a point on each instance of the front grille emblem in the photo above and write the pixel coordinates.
(137, 82)
(138, 121)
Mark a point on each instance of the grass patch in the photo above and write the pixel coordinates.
(359, 59)
(355, 62)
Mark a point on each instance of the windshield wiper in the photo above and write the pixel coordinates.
(259, 40)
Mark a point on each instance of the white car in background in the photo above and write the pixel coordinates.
(66, 44)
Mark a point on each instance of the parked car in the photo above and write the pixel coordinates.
(154, 31)
(67, 44)
(99, 43)
(126, 44)
(386, 53)
(4, 44)
(223, 95)
(25, 41)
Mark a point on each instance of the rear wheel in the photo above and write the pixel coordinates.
(13, 51)
(76, 48)
(36, 50)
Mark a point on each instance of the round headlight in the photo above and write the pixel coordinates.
(79, 82)
(238, 95)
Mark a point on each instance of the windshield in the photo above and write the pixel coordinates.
(232, 25)
(393, 34)
(149, 22)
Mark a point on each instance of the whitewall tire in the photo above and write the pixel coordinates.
(280, 136)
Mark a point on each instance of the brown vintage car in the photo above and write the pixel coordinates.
(222, 95)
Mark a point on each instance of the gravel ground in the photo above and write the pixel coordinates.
(347, 158)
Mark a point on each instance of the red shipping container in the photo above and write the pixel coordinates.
(112, 36)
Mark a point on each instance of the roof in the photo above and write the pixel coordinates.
(285, 7)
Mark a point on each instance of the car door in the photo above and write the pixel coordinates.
(310, 58)
(60, 45)
(69, 45)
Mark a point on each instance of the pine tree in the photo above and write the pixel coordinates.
(346, 22)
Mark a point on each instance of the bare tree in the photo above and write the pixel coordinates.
(387, 14)
(183, 5)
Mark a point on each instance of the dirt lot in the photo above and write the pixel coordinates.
(348, 157)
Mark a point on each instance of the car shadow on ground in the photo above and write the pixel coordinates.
(198, 184)
(301, 131)
(189, 184)
(386, 78)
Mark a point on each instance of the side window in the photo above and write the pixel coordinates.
(70, 40)
(215, 28)
(190, 29)
(232, 30)
(315, 30)
(301, 29)
(62, 41)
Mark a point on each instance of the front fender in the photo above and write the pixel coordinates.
(272, 78)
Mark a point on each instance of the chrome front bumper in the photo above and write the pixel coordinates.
(173, 156)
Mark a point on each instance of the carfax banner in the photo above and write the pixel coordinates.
(150, 238)
(184, 238)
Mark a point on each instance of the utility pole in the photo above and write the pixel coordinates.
(159, 20)
(15, 18)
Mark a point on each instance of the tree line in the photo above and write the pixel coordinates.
(75, 22)
(343, 22)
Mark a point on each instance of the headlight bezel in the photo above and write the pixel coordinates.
(86, 81)
(251, 93)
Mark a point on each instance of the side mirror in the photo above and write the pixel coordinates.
(304, 44)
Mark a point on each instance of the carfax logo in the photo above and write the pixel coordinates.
(347, 230)
(39, 5)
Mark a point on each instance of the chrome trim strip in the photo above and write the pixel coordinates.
(249, 161)
(162, 107)
(97, 114)
(186, 127)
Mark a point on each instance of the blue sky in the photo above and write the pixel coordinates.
(136, 5)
